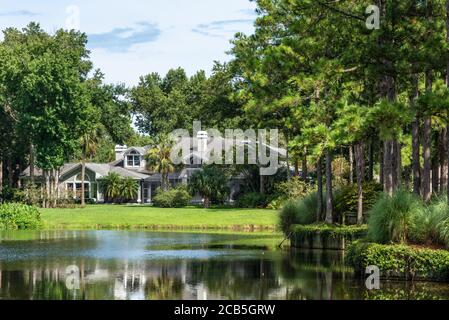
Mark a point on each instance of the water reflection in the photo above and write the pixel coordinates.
(121, 265)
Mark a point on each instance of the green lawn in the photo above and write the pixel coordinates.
(114, 216)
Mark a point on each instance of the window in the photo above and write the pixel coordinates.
(133, 159)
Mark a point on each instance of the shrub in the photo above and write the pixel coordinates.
(399, 261)
(252, 200)
(287, 216)
(393, 218)
(299, 211)
(14, 216)
(295, 188)
(12, 195)
(432, 224)
(173, 198)
(346, 198)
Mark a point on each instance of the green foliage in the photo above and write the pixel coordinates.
(211, 182)
(330, 231)
(129, 189)
(159, 160)
(393, 218)
(118, 189)
(432, 224)
(252, 200)
(346, 198)
(110, 186)
(14, 216)
(299, 211)
(173, 198)
(12, 195)
(294, 188)
(400, 261)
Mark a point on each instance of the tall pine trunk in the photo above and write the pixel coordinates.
(371, 161)
(83, 177)
(443, 160)
(360, 169)
(32, 179)
(351, 164)
(447, 84)
(1, 177)
(304, 169)
(329, 194)
(319, 174)
(416, 164)
(389, 167)
(426, 175)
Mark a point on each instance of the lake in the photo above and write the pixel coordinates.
(127, 265)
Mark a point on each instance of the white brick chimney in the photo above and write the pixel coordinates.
(119, 151)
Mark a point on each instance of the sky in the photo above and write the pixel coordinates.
(132, 38)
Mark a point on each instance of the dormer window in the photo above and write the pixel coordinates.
(133, 159)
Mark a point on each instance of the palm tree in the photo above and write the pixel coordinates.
(111, 185)
(159, 160)
(128, 188)
(89, 149)
(210, 183)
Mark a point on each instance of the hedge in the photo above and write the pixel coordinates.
(400, 261)
(330, 231)
(14, 216)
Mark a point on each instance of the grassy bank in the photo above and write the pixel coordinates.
(144, 217)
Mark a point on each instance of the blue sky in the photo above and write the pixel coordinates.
(135, 37)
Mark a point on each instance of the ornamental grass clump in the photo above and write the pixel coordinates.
(432, 224)
(299, 211)
(393, 219)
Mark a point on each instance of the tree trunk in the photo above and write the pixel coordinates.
(83, 177)
(447, 85)
(371, 161)
(55, 202)
(360, 166)
(443, 160)
(262, 184)
(10, 172)
(319, 175)
(206, 202)
(416, 165)
(426, 179)
(296, 168)
(287, 158)
(389, 167)
(381, 165)
(329, 194)
(305, 172)
(32, 164)
(351, 165)
(398, 164)
(1, 178)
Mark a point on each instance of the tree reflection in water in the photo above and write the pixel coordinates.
(30, 270)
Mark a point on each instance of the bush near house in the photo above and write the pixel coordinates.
(14, 216)
(173, 198)
(400, 261)
(252, 200)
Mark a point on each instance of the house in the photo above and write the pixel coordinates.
(130, 163)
